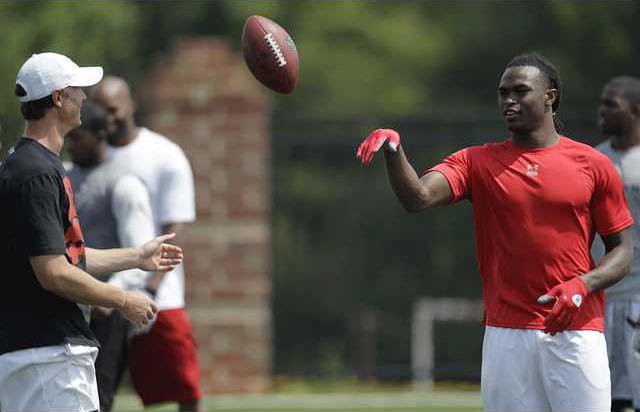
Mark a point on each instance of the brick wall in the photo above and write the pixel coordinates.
(202, 97)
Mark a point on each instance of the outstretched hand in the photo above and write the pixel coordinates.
(375, 141)
(158, 256)
(568, 297)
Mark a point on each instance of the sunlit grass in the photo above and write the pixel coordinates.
(446, 401)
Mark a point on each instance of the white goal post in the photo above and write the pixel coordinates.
(426, 312)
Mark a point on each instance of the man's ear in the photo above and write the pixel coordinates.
(56, 96)
(551, 97)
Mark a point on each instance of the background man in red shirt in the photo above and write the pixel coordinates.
(538, 199)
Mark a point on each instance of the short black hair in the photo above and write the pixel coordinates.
(34, 109)
(543, 64)
(629, 86)
(93, 117)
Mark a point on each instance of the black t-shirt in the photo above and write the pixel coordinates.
(38, 217)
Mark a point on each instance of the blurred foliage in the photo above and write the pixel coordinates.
(93, 34)
(342, 245)
(357, 58)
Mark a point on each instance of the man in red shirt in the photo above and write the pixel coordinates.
(538, 198)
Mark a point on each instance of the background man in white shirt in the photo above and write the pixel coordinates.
(162, 362)
(619, 118)
(115, 209)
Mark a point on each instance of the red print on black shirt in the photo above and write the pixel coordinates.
(74, 241)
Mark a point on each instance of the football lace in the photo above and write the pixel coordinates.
(273, 45)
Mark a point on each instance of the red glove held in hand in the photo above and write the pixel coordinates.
(375, 141)
(568, 297)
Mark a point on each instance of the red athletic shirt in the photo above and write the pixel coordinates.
(535, 214)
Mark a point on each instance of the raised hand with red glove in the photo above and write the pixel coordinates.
(376, 140)
(568, 297)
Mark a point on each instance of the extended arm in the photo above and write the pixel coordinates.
(57, 275)
(155, 255)
(107, 261)
(415, 194)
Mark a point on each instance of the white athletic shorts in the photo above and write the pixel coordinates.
(59, 378)
(624, 359)
(526, 370)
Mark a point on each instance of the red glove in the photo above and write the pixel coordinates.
(375, 141)
(568, 297)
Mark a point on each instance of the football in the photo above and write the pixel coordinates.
(270, 54)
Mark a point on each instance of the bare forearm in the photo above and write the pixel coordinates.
(405, 182)
(106, 261)
(613, 267)
(66, 280)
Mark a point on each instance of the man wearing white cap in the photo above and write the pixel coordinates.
(46, 347)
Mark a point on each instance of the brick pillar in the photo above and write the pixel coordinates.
(202, 97)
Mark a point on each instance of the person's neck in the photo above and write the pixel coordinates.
(132, 134)
(627, 140)
(47, 132)
(94, 162)
(541, 138)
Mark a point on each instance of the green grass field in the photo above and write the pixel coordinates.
(441, 401)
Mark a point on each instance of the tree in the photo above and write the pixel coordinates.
(91, 34)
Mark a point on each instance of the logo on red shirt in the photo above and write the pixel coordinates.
(577, 300)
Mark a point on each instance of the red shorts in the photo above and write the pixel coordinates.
(163, 362)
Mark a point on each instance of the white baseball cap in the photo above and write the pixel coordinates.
(44, 73)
